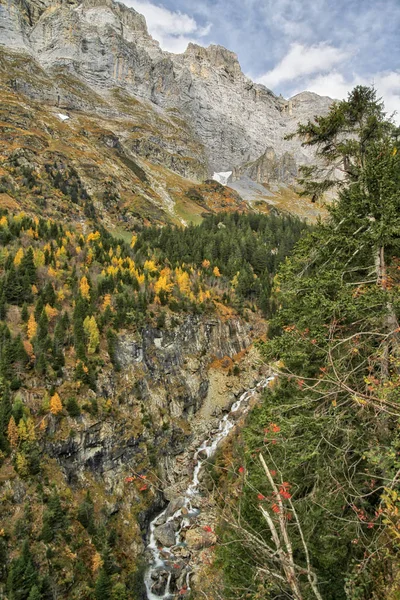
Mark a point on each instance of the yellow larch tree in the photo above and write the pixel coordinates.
(31, 327)
(18, 257)
(30, 430)
(92, 237)
(150, 266)
(164, 283)
(84, 288)
(51, 271)
(22, 433)
(38, 258)
(89, 257)
(55, 404)
(21, 464)
(28, 349)
(12, 433)
(216, 272)
(183, 281)
(92, 333)
(61, 252)
(50, 311)
(97, 562)
(106, 301)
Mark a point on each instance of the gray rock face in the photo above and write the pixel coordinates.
(269, 169)
(107, 45)
(165, 534)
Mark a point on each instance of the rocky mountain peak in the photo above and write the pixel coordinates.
(216, 55)
(93, 51)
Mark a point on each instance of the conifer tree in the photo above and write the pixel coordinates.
(328, 424)
(35, 594)
(27, 266)
(24, 313)
(103, 586)
(22, 575)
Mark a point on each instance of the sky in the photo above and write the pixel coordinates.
(324, 46)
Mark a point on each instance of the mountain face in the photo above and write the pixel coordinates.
(192, 113)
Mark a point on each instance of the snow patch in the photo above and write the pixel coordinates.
(62, 117)
(222, 178)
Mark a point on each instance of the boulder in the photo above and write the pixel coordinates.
(197, 538)
(165, 534)
(174, 506)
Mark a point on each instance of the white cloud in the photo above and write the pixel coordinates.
(336, 85)
(303, 60)
(173, 29)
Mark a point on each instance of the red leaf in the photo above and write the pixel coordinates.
(285, 494)
(241, 469)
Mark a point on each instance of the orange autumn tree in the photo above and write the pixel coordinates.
(216, 272)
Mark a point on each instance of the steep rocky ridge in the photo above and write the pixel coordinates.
(167, 377)
(198, 112)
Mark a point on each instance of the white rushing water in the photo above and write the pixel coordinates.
(159, 576)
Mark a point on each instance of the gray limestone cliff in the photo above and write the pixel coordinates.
(106, 46)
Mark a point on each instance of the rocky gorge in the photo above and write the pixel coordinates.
(174, 386)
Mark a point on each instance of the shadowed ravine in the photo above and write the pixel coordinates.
(170, 569)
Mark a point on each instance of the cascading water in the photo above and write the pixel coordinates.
(168, 575)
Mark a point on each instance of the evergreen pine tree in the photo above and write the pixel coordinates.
(103, 586)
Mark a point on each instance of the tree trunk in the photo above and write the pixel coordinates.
(390, 344)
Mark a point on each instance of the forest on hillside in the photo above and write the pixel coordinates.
(66, 298)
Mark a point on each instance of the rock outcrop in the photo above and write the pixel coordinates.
(269, 169)
(166, 379)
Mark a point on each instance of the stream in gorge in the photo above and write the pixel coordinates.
(170, 570)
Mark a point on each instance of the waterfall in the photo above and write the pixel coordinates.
(159, 576)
